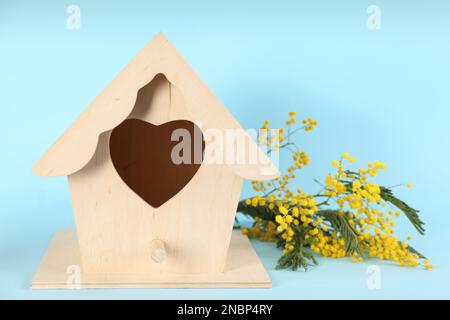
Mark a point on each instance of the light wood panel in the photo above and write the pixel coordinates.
(60, 264)
(115, 226)
(73, 150)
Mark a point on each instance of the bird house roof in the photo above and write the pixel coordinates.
(73, 150)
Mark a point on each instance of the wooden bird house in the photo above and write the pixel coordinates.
(143, 219)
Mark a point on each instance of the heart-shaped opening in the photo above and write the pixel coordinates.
(156, 162)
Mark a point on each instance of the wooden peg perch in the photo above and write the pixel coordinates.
(158, 250)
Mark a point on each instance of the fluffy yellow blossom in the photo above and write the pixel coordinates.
(283, 210)
(350, 200)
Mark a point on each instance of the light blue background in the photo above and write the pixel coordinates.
(378, 94)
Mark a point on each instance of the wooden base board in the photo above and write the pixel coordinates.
(243, 270)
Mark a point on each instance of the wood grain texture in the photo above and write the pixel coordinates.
(243, 270)
(74, 149)
(115, 225)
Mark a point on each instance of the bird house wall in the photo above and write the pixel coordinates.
(115, 226)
